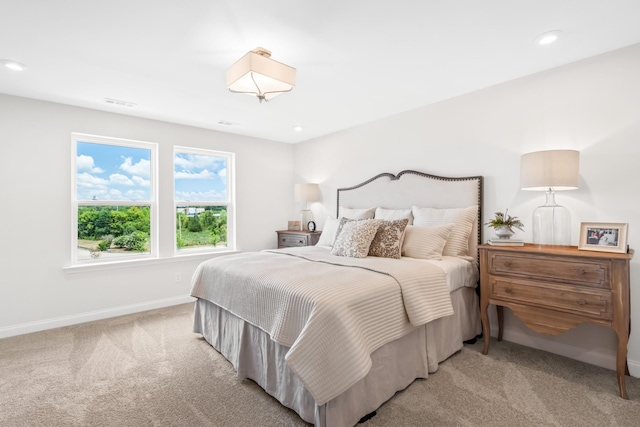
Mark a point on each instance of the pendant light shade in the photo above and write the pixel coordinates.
(258, 75)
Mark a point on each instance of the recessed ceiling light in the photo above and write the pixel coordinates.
(297, 128)
(13, 65)
(547, 38)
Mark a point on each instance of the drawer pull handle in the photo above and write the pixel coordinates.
(300, 241)
(508, 290)
(507, 263)
(582, 302)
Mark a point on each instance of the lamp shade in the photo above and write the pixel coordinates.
(259, 75)
(306, 192)
(555, 169)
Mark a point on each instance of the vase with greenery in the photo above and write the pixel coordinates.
(504, 224)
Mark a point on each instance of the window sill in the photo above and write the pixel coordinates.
(116, 265)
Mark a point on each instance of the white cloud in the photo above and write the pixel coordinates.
(115, 194)
(141, 181)
(183, 163)
(87, 180)
(119, 179)
(136, 195)
(142, 168)
(86, 163)
(195, 161)
(204, 174)
(222, 173)
(200, 196)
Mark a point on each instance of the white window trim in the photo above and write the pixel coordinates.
(153, 203)
(229, 203)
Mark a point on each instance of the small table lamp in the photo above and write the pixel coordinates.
(550, 171)
(306, 193)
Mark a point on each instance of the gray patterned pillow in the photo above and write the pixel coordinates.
(355, 237)
(388, 240)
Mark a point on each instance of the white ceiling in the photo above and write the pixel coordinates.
(357, 61)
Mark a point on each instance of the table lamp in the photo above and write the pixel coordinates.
(306, 193)
(550, 171)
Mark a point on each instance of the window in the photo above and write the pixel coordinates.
(114, 212)
(203, 198)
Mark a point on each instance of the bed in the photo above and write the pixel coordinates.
(333, 332)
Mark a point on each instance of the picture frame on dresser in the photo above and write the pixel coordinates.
(603, 237)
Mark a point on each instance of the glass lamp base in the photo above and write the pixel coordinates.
(551, 223)
(305, 216)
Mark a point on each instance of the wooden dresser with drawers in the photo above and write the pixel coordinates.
(554, 288)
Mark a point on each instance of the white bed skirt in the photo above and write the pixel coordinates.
(395, 365)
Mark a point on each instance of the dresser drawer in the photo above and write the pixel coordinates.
(556, 269)
(566, 298)
(289, 240)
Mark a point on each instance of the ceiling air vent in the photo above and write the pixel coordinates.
(119, 102)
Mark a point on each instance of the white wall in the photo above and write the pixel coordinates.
(35, 156)
(591, 106)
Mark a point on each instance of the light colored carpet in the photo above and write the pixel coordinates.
(149, 369)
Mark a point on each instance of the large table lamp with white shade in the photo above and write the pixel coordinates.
(550, 171)
(307, 193)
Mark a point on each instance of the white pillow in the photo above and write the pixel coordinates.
(393, 214)
(329, 230)
(355, 238)
(357, 213)
(425, 242)
(462, 218)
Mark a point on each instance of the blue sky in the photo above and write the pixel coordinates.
(200, 178)
(110, 172)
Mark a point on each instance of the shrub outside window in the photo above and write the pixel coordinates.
(203, 198)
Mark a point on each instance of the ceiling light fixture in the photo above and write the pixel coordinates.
(13, 65)
(259, 75)
(547, 38)
(297, 128)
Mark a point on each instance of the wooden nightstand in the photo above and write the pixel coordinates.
(554, 288)
(288, 238)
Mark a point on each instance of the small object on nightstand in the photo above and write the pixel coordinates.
(505, 242)
(293, 225)
(293, 238)
(311, 226)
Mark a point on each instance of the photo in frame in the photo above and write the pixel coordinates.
(603, 237)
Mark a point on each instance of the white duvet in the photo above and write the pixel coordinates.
(332, 312)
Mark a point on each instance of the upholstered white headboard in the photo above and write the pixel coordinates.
(409, 188)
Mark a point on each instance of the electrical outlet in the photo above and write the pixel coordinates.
(178, 277)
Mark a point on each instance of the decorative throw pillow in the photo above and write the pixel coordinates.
(341, 222)
(462, 218)
(329, 231)
(355, 238)
(357, 213)
(387, 242)
(393, 214)
(425, 242)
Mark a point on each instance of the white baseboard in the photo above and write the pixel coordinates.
(599, 358)
(57, 322)
(634, 368)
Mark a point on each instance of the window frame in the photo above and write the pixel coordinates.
(154, 234)
(229, 203)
